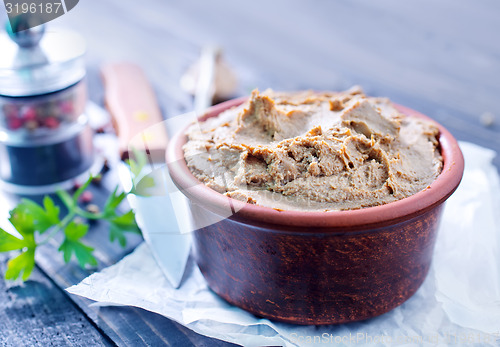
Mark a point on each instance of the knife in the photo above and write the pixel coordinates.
(140, 128)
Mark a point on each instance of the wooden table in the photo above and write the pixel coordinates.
(441, 58)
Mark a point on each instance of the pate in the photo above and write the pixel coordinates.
(314, 151)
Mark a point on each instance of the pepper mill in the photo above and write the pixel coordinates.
(45, 139)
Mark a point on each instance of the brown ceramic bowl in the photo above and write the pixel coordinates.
(316, 267)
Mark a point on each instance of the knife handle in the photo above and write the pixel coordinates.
(135, 114)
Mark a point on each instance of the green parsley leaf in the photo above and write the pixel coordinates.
(22, 265)
(134, 167)
(51, 210)
(82, 252)
(9, 242)
(114, 200)
(75, 231)
(126, 221)
(43, 217)
(72, 245)
(23, 222)
(141, 188)
(119, 225)
(116, 233)
(137, 161)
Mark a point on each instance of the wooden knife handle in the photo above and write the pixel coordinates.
(134, 110)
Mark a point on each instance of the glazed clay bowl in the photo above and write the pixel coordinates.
(316, 267)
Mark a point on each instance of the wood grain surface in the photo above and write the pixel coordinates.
(38, 313)
(440, 58)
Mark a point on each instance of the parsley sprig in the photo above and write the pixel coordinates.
(38, 224)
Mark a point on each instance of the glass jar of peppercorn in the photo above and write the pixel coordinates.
(45, 139)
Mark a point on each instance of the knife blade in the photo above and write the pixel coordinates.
(140, 128)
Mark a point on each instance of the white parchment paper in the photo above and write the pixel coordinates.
(458, 304)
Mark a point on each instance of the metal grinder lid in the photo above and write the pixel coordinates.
(38, 61)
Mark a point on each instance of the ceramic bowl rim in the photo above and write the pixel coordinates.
(436, 193)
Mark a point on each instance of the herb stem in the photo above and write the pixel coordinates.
(57, 228)
(88, 215)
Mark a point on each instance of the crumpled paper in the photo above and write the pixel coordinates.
(458, 303)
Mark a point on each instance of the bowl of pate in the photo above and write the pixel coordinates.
(315, 207)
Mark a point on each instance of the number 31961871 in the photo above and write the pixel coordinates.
(40, 8)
